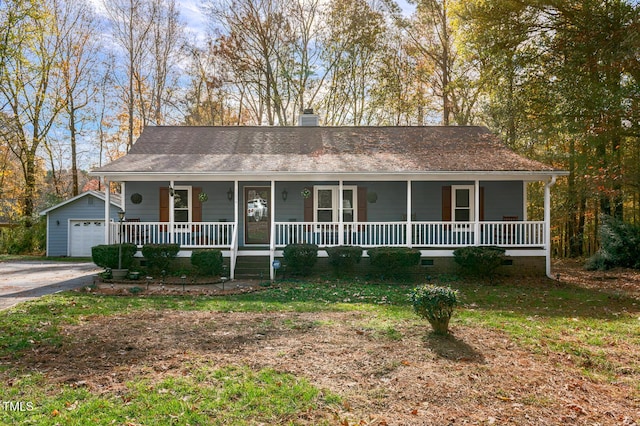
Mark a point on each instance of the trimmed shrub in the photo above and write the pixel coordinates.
(619, 245)
(436, 305)
(343, 258)
(160, 256)
(479, 261)
(300, 258)
(207, 262)
(394, 262)
(106, 255)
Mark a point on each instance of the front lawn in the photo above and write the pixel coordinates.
(531, 351)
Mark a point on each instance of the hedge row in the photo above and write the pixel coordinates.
(159, 257)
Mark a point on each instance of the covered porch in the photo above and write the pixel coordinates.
(282, 221)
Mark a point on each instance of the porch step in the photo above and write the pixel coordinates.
(252, 267)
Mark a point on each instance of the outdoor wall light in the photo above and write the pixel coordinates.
(121, 215)
(171, 192)
(230, 194)
(285, 195)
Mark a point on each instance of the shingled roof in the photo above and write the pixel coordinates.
(282, 150)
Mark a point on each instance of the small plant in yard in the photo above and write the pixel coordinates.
(436, 305)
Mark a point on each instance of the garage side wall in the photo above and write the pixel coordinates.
(58, 232)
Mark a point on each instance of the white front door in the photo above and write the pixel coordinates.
(462, 215)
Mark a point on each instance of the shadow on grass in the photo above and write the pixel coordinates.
(451, 348)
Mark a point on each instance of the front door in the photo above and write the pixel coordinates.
(257, 214)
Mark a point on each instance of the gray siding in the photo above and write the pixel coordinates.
(87, 207)
(502, 198)
(217, 207)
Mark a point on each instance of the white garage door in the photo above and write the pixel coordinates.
(84, 234)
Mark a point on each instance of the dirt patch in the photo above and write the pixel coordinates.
(399, 375)
(621, 280)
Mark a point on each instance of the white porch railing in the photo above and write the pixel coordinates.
(187, 234)
(423, 234)
(364, 234)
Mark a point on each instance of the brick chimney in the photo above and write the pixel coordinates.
(308, 118)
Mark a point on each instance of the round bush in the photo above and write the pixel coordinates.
(207, 262)
(436, 305)
(106, 256)
(300, 258)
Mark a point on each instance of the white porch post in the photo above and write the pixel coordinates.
(107, 212)
(236, 232)
(525, 197)
(547, 224)
(409, 230)
(476, 214)
(272, 238)
(123, 195)
(171, 214)
(341, 214)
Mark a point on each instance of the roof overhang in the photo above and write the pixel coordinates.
(532, 176)
(114, 200)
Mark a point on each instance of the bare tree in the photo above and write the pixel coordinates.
(132, 22)
(149, 34)
(78, 61)
(269, 51)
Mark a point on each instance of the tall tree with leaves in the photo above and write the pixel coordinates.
(563, 86)
(31, 90)
(450, 78)
(352, 52)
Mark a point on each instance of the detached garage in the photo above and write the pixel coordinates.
(77, 224)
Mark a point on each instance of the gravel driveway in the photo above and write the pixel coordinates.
(25, 280)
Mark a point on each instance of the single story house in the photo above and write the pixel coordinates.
(77, 224)
(251, 191)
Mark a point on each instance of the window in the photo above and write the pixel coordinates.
(182, 204)
(327, 203)
(462, 197)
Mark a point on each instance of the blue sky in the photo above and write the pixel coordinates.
(196, 21)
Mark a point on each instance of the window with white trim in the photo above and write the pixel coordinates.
(462, 203)
(327, 204)
(182, 208)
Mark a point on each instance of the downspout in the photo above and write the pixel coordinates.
(547, 223)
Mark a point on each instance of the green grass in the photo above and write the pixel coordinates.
(585, 325)
(203, 394)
